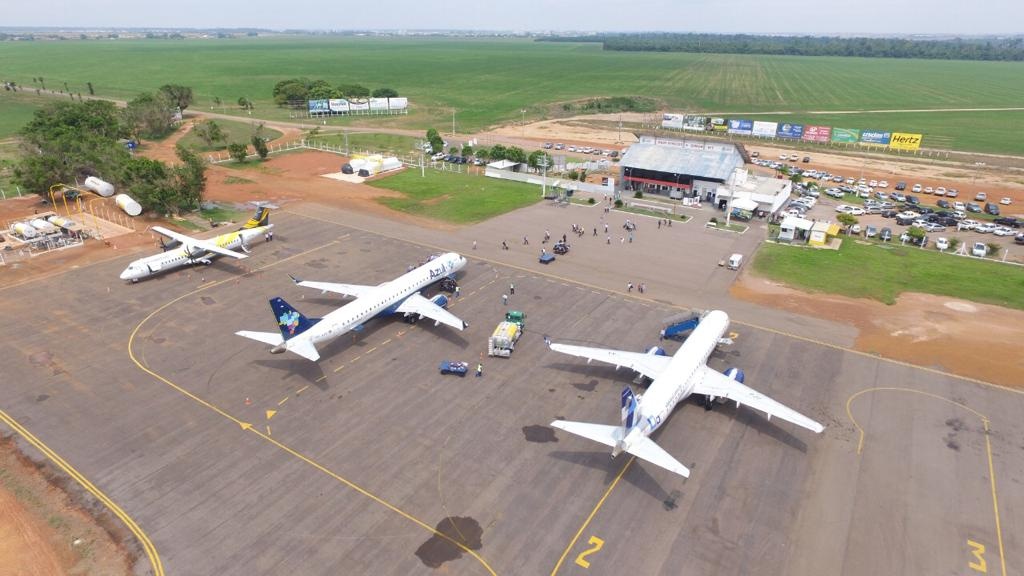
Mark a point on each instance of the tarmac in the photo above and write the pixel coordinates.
(234, 461)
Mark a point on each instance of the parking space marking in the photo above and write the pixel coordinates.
(988, 448)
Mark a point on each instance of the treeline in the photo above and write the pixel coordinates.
(1004, 49)
(66, 142)
(296, 91)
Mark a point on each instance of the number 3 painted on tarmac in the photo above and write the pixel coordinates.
(978, 551)
(596, 544)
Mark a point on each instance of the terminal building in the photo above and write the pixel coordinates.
(678, 167)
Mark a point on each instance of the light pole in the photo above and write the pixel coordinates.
(544, 182)
(523, 123)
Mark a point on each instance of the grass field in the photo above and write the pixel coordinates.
(234, 131)
(456, 198)
(488, 81)
(393, 144)
(17, 108)
(882, 272)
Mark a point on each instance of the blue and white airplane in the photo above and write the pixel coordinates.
(674, 378)
(300, 334)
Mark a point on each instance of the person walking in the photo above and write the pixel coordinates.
(474, 244)
(526, 241)
(479, 369)
(608, 239)
(504, 299)
(512, 289)
(629, 287)
(605, 227)
(595, 230)
(457, 291)
(504, 245)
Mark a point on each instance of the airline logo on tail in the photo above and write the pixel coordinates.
(289, 321)
(261, 218)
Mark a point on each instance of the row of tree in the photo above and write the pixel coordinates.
(296, 91)
(1011, 48)
(66, 142)
(536, 159)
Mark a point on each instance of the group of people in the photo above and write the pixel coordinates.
(640, 287)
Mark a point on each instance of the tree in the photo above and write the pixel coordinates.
(482, 153)
(149, 184)
(210, 132)
(499, 152)
(454, 151)
(385, 93)
(467, 150)
(354, 91)
(436, 142)
(796, 178)
(244, 103)
(293, 92)
(150, 116)
(238, 151)
(537, 158)
(216, 101)
(847, 220)
(515, 154)
(180, 96)
(89, 85)
(261, 147)
(190, 178)
(321, 90)
(916, 234)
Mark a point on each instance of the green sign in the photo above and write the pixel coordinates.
(847, 135)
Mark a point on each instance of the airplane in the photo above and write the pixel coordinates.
(674, 378)
(194, 250)
(300, 334)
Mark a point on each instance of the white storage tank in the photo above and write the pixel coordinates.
(105, 189)
(65, 223)
(42, 225)
(25, 230)
(128, 204)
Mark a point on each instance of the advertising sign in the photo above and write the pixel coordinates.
(718, 125)
(358, 106)
(338, 104)
(695, 123)
(672, 121)
(766, 129)
(817, 133)
(378, 103)
(845, 135)
(318, 107)
(905, 141)
(875, 137)
(398, 103)
(741, 126)
(794, 131)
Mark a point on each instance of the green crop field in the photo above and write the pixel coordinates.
(489, 81)
(452, 197)
(882, 271)
(17, 108)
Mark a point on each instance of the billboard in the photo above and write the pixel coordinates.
(718, 125)
(695, 123)
(765, 128)
(905, 141)
(318, 107)
(358, 106)
(378, 103)
(817, 133)
(672, 121)
(741, 126)
(875, 137)
(845, 135)
(793, 131)
(398, 103)
(338, 104)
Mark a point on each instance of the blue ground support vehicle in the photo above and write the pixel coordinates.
(680, 330)
(547, 258)
(454, 367)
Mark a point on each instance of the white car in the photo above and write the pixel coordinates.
(1003, 231)
(959, 206)
(834, 192)
(906, 214)
(844, 208)
(979, 250)
(928, 190)
(940, 191)
(851, 180)
(959, 214)
(1005, 201)
(916, 188)
(883, 184)
(933, 227)
(942, 243)
(855, 211)
(967, 224)
(980, 197)
(793, 157)
(855, 229)
(873, 183)
(783, 156)
(985, 228)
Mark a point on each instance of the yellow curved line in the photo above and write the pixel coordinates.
(605, 290)
(988, 449)
(592, 514)
(248, 427)
(147, 544)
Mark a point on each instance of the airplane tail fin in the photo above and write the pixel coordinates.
(260, 218)
(289, 320)
(628, 409)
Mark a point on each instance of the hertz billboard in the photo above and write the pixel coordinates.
(905, 141)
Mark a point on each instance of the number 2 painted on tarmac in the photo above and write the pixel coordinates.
(596, 544)
(978, 551)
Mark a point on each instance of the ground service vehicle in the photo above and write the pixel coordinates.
(503, 340)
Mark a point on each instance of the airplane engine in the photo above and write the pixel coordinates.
(656, 351)
(441, 300)
(735, 373)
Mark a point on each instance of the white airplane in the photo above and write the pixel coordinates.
(194, 250)
(400, 296)
(674, 378)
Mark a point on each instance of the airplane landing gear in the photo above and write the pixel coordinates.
(709, 404)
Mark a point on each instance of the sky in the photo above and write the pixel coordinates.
(805, 17)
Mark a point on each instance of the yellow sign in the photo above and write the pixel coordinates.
(904, 141)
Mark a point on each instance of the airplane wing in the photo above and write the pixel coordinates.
(417, 304)
(647, 450)
(607, 435)
(649, 365)
(354, 290)
(716, 384)
(197, 243)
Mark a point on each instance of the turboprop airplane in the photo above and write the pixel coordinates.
(196, 251)
(674, 378)
(400, 296)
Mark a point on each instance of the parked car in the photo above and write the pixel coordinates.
(913, 200)
(1005, 201)
(548, 145)
(972, 207)
(942, 243)
(959, 206)
(1019, 238)
(883, 183)
(901, 186)
(992, 209)
(1007, 221)
(793, 157)
(980, 197)
(979, 249)
(907, 238)
(885, 234)
(943, 203)
(888, 213)
(1003, 231)
(899, 197)
(928, 190)
(933, 227)
(834, 192)
(559, 146)
(940, 191)
(916, 188)
(952, 193)
(807, 159)
(755, 154)
(985, 228)
(870, 231)
(855, 229)
(967, 224)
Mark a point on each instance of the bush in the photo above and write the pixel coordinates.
(590, 200)
(238, 151)
(714, 221)
(638, 194)
(953, 244)
(992, 249)
(618, 203)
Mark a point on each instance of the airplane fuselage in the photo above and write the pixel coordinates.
(680, 377)
(183, 256)
(380, 299)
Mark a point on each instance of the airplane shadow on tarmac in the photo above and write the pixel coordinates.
(602, 460)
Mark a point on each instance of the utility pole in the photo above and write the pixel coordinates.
(523, 123)
(544, 182)
(345, 132)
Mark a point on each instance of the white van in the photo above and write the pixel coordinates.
(735, 261)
